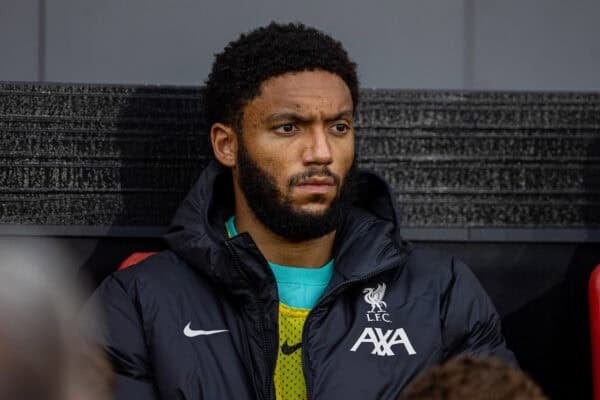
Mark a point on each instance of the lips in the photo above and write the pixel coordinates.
(318, 181)
(317, 185)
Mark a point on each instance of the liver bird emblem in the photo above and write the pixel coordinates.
(374, 297)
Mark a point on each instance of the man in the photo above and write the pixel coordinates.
(286, 276)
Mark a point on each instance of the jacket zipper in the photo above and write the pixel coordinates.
(335, 291)
(268, 356)
(270, 393)
(249, 361)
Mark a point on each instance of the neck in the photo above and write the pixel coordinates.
(312, 253)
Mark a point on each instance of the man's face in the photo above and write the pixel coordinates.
(295, 152)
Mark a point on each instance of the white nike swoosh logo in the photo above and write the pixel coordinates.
(189, 332)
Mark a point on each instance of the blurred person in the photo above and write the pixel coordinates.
(473, 378)
(42, 354)
(286, 275)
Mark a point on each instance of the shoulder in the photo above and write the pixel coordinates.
(160, 287)
(432, 269)
(161, 274)
(426, 261)
(449, 279)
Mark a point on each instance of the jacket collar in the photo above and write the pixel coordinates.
(369, 234)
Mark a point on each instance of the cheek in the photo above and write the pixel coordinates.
(346, 155)
(277, 158)
(275, 165)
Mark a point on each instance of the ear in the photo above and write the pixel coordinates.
(224, 144)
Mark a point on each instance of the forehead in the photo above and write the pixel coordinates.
(306, 91)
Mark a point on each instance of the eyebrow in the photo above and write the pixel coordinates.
(292, 116)
(342, 115)
(287, 116)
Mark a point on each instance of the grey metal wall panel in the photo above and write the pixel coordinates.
(536, 45)
(416, 44)
(472, 44)
(19, 40)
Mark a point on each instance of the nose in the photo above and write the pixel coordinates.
(318, 149)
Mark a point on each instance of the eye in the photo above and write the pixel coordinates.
(286, 129)
(340, 129)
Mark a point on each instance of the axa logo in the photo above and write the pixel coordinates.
(383, 342)
(374, 297)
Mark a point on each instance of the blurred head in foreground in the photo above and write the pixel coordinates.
(469, 378)
(41, 353)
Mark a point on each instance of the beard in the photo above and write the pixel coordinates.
(275, 209)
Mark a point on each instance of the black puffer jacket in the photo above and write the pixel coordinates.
(390, 311)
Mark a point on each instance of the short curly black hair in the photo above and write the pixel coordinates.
(266, 52)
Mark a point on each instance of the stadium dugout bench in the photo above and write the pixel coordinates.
(508, 181)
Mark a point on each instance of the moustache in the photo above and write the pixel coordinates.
(324, 172)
